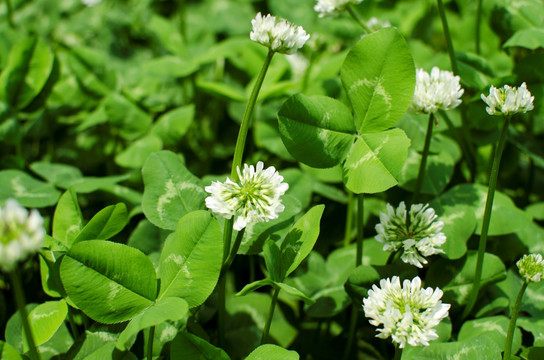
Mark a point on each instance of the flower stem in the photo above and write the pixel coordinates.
(398, 353)
(352, 330)
(10, 14)
(270, 314)
(487, 218)
(358, 19)
(513, 319)
(477, 30)
(21, 305)
(246, 120)
(360, 229)
(349, 219)
(447, 34)
(221, 311)
(232, 254)
(423, 163)
(150, 343)
(466, 148)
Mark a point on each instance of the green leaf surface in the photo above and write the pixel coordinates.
(171, 191)
(534, 326)
(481, 347)
(272, 257)
(272, 352)
(459, 225)
(173, 125)
(191, 347)
(531, 38)
(8, 352)
(438, 172)
(105, 224)
(494, 327)
(317, 130)
(135, 155)
(27, 190)
(293, 291)
(171, 309)
(108, 281)
(98, 344)
(379, 77)
(249, 288)
(375, 161)
(56, 173)
(192, 258)
(67, 220)
(126, 117)
(45, 319)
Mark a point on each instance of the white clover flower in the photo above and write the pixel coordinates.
(418, 238)
(439, 90)
(91, 3)
(21, 234)
(408, 314)
(255, 199)
(508, 100)
(279, 35)
(333, 7)
(375, 24)
(531, 267)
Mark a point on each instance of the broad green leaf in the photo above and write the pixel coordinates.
(249, 288)
(108, 281)
(272, 352)
(90, 184)
(293, 291)
(27, 190)
(126, 117)
(494, 327)
(379, 77)
(173, 125)
(167, 34)
(191, 347)
(29, 67)
(67, 221)
(49, 273)
(536, 210)
(97, 345)
(56, 173)
(136, 153)
(192, 258)
(105, 224)
(171, 191)
(317, 130)
(375, 161)
(171, 309)
(459, 224)
(272, 257)
(329, 302)
(438, 172)
(169, 67)
(92, 71)
(45, 320)
(219, 89)
(527, 38)
(147, 238)
(534, 326)
(481, 347)
(8, 352)
(301, 239)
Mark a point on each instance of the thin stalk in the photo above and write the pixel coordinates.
(424, 156)
(512, 324)
(221, 311)
(477, 30)
(10, 14)
(349, 219)
(270, 314)
(467, 150)
(360, 227)
(234, 251)
(447, 34)
(21, 305)
(493, 176)
(246, 120)
(398, 353)
(352, 330)
(150, 343)
(358, 19)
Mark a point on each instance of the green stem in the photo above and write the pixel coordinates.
(424, 156)
(221, 311)
(246, 120)
(398, 353)
(477, 30)
(360, 227)
(358, 19)
(493, 176)
(270, 314)
(466, 148)
(352, 330)
(21, 305)
(151, 335)
(447, 34)
(512, 324)
(234, 251)
(349, 219)
(10, 14)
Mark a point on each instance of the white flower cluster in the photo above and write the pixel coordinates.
(255, 199)
(508, 100)
(418, 237)
(439, 90)
(333, 7)
(21, 234)
(91, 3)
(279, 35)
(531, 267)
(408, 313)
(375, 24)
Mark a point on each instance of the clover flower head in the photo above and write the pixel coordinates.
(508, 100)
(531, 267)
(408, 313)
(256, 198)
(375, 24)
(419, 237)
(278, 35)
(439, 90)
(91, 3)
(21, 234)
(333, 7)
